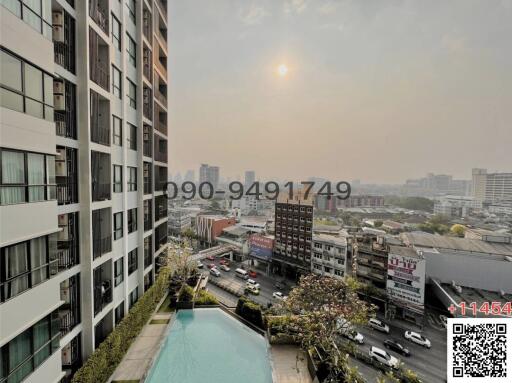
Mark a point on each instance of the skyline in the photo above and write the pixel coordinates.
(424, 86)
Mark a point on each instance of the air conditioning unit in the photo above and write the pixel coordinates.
(58, 33)
(61, 154)
(63, 220)
(61, 169)
(59, 102)
(62, 235)
(58, 86)
(58, 18)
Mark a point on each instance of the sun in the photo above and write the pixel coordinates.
(282, 70)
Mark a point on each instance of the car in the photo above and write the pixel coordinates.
(279, 285)
(397, 347)
(210, 257)
(278, 295)
(383, 357)
(211, 265)
(353, 335)
(252, 283)
(215, 272)
(378, 325)
(252, 289)
(253, 274)
(224, 267)
(199, 265)
(417, 338)
(224, 262)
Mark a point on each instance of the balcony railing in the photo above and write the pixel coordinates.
(68, 321)
(68, 257)
(101, 76)
(147, 259)
(99, 15)
(102, 296)
(101, 246)
(100, 191)
(67, 193)
(160, 97)
(146, 147)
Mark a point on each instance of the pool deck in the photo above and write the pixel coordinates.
(139, 357)
(287, 367)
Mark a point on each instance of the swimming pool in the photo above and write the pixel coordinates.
(207, 345)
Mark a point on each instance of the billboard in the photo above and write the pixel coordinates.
(406, 279)
(261, 246)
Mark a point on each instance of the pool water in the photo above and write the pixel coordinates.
(207, 345)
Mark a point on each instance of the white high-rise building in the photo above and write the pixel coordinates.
(491, 186)
(83, 158)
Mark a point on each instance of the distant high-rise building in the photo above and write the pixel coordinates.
(293, 234)
(203, 173)
(437, 184)
(250, 177)
(209, 174)
(491, 186)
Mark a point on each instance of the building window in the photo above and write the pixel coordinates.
(119, 313)
(131, 49)
(132, 94)
(36, 13)
(30, 349)
(118, 178)
(132, 261)
(25, 88)
(134, 296)
(132, 178)
(117, 131)
(116, 82)
(116, 32)
(118, 225)
(118, 271)
(27, 264)
(26, 177)
(130, 4)
(131, 137)
(337, 272)
(132, 220)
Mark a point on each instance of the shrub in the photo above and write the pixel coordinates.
(104, 360)
(186, 293)
(250, 311)
(203, 297)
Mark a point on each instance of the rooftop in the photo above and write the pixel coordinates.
(403, 251)
(340, 241)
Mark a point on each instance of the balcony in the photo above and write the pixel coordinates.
(162, 4)
(69, 312)
(102, 286)
(160, 90)
(100, 119)
(66, 175)
(147, 63)
(71, 358)
(160, 208)
(67, 241)
(101, 232)
(160, 178)
(160, 119)
(98, 11)
(148, 224)
(147, 178)
(64, 47)
(160, 59)
(161, 236)
(147, 141)
(147, 103)
(99, 64)
(100, 176)
(148, 251)
(160, 153)
(65, 118)
(146, 24)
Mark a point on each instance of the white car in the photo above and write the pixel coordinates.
(224, 268)
(384, 357)
(214, 272)
(378, 325)
(278, 295)
(417, 338)
(251, 282)
(199, 265)
(354, 336)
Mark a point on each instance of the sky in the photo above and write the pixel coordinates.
(380, 91)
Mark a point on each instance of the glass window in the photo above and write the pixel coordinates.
(119, 313)
(131, 137)
(131, 48)
(117, 131)
(118, 225)
(13, 173)
(50, 178)
(118, 271)
(132, 261)
(36, 177)
(132, 94)
(10, 71)
(118, 178)
(14, 261)
(116, 32)
(48, 89)
(132, 220)
(132, 178)
(116, 82)
(130, 4)
(33, 82)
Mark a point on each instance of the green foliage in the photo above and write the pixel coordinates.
(412, 203)
(458, 230)
(436, 224)
(189, 233)
(104, 360)
(203, 297)
(186, 293)
(378, 223)
(250, 311)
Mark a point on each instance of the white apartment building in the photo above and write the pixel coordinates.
(179, 220)
(245, 205)
(457, 206)
(83, 159)
(329, 255)
(491, 187)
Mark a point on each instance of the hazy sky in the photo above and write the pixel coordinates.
(376, 90)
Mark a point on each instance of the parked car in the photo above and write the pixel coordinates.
(224, 262)
(278, 295)
(251, 282)
(383, 357)
(210, 257)
(224, 267)
(417, 338)
(353, 335)
(397, 347)
(211, 265)
(199, 265)
(378, 325)
(253, 274)
(252, 289)
(215, 272)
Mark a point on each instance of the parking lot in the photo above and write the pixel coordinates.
(429, 364)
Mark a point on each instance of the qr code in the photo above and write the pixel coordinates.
(479, 350)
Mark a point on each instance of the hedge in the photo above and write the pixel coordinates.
(104, 360)
(250, 311)
(186, 293)
(203, 297)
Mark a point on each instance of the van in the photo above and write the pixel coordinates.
(241, 273)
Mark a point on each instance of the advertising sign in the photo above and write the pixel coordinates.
(261, 246)
(406, 280)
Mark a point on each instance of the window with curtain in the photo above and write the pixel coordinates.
(14, 261)
(132, 178)
(118, 271)
(50, 178)
(118, 178)
(42, 347)
(20, 348)
(118, 225)
(117, 131)
(13, 177)
(38, 260)
(36, 177)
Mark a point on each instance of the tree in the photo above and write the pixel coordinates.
(458, 230)
(378, 223)
(179, 259)
(319, 308)
(189, 233)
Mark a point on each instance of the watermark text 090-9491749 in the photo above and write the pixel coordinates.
(269, 190)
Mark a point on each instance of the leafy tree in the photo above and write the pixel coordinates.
(411, 203)
(179, 258)
(458, 230)
(378, 223)
(189, 233)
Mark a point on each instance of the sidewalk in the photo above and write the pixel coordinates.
(287, 367)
